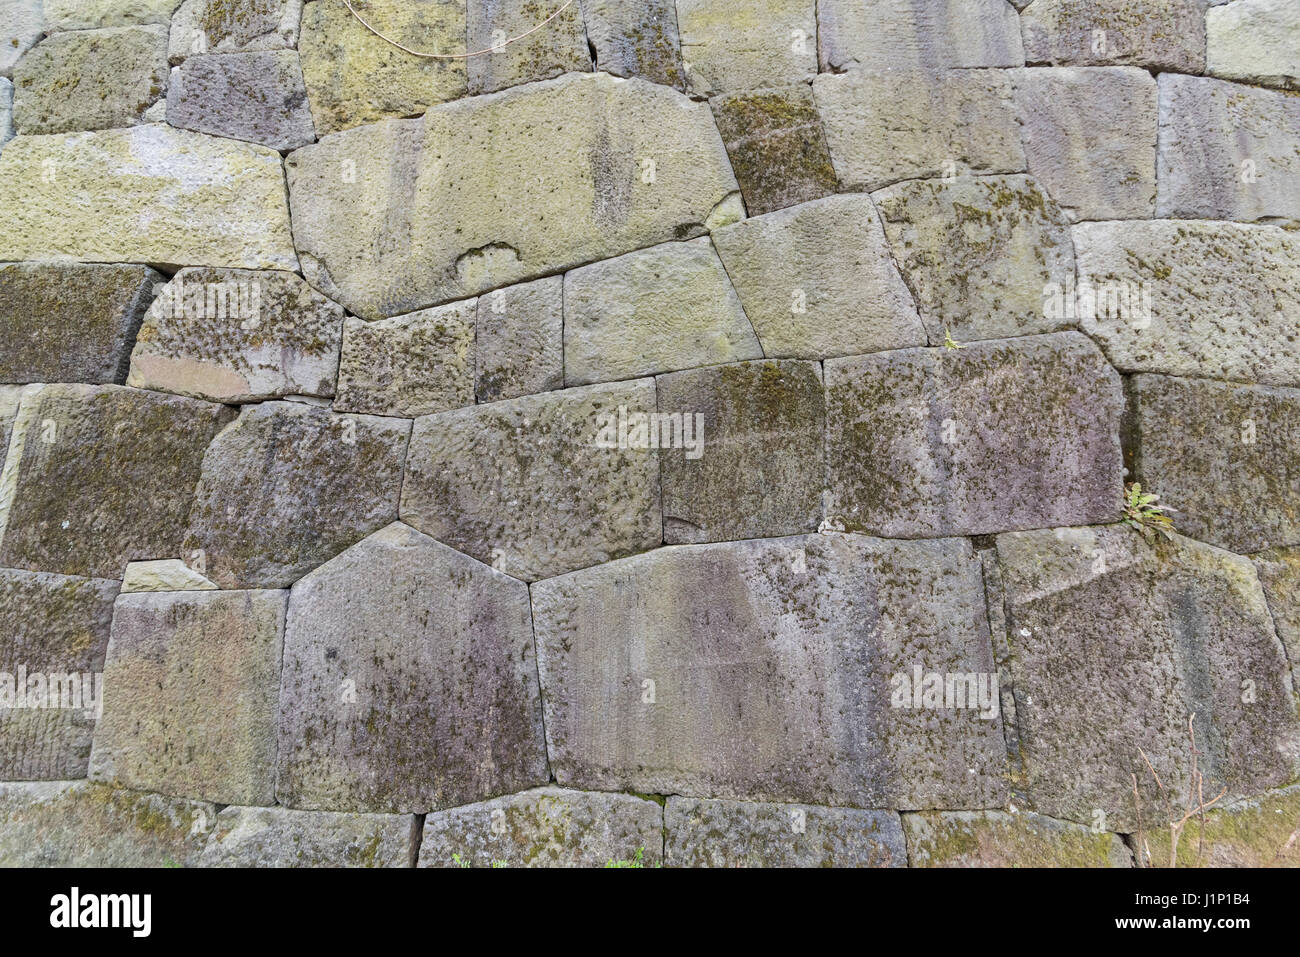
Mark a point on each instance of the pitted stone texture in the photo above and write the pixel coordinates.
(656, 310)
(761, 670)
(526, 486)
(818, 280)
(71, 322)
(258, 97)
(1227, 457)
(217, 26)
(412, 365)
(1213, 300)
(191, 684)
(704, 833)
(56, 628)
(999, 839)
(1094, 170)
(21, 29)
(545, 827)
(90, 80)
(777, 148)
(558, 47)
(636, 38)
(760, 467)
(149, 194)
(1226, 151)
(288, 486)
(1003, 434)
(90, 14)
(6, 111)
(519, 340)
(450, 206)
(1157, 35)
(927, 36)
(98, 476)
(977, 252)
(78, 824)
(409, 681)
(1114, 643)
(886, 127)
(1256, 41)
(238, 335)
(279, 837)
(1279, 575)
(729, 47)
(1255, 832)
(166, 574)
(355, 77)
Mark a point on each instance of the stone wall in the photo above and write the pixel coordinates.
(697, 434)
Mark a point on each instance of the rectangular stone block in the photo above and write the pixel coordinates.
(1157, 35)
(278, 837)
(258, 97)
(215, 26)
(558, 47)
(728, 47)
(89, 14)
(999, 839)
(519, 340)
(1254, 41)
(636, 38)
(934, 35)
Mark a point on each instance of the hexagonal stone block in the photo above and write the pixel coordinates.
(938, 34)
(409, 681)
(258, 97)
(1159, 35)
(883, 127)
(1114, 644)
(22, 28)
(1011, 433)
(279, 837)
(191, 683)
(97, 476)
(215, 26)
(1225, 456)
(1256, 41)
(1279, 575)
(1255, 832)
(540, 485)
(999, 839)
(728, 47)
(704, 833)
(519, 340)
(71, 322)
(287, 487)
(636, 38)
(977, 253)
(53, 633)
(767, 670)
(558, 47)
(546, 827)
(759, 466)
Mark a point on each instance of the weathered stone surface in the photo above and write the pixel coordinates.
(546, 827)
(1215, 300)
(519, 340)
(818, 280)
(53, 632)
(288, 486)
(529, 486)
(1114, 643)
(977, 253)
(934, 35)
(355, 77)
(728, 47)
(1226, 151)
(558, 47)
(1257, 41)
(452, 205)
(1004, 434)
(1093, 169)
(636, 38)
(886, 127)
(777, 148)
(412, 365)
(742, 834)
(655, 310)
(6, 111)
(166, 574)
(89, 14)
(217, 26)
(148, 194)
(761, 670)
(759, 467)
(21, 29)
(258, 97)
(11, 397)
(1256, 832)
(98, 476)
(238, 335)
(1152, 34)
(1227, 457)
(71, 322)
(191, 684)
(999, 839)
(409, 681)
(1279, 575)
(279, 837)
(77, 824)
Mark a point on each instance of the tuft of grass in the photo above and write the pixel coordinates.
(638, 860)
(1142, 511)
(949, 342)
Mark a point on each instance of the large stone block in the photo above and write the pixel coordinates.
(149, 194)
(1279, 575)
(287, 487)
(89, 14)
(519, 340)
(765, 669)
(999, 839)
(1158, 35)
(728, 47)
(934, 35)
(496, 189)
(21, 30)
(98, 476)
(540, 485)
(166, 574)
(191, 683)
(558, 47)
(1255, 832)
(997, 435)
(278, 837)
(217, 26)
(258, 97)
(1256, 41)
(636, 38)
